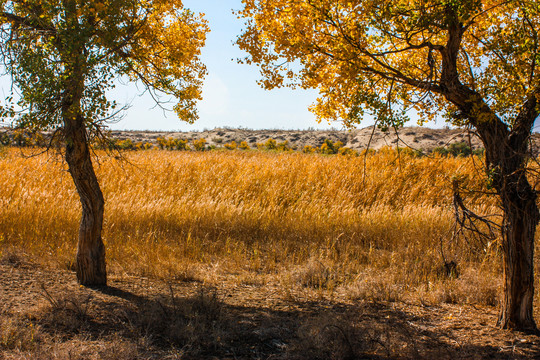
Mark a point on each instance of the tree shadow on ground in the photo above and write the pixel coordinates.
(205, 325)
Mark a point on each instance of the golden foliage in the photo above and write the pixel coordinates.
(382, 57)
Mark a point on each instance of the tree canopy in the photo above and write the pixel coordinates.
(386, 57)
(46, 42)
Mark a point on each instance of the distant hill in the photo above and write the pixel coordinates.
(418, 138)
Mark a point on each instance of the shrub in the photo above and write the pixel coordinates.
(126, 144)
(5, 139)
(162, 142)
(199, 144)
(181, 144)
(329, 147)
(410, 152)
(37, 139)
(244, 146)
(347, 151)
(457, 149)
(270, 144)
(460, 149)
(172, 144)
(21, 138)
(231, 146)
(283, 146)
(143, 146)
(367, 152)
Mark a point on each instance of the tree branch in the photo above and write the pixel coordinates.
(33, 24)
(525, 120)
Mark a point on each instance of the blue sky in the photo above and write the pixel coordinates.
(231, 95)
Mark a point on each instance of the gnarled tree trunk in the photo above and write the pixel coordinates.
(90, 263)
(506, 150)
(506, 165)
(520, 220)
(506, 160)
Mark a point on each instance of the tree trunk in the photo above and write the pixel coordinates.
(90, 262)
(506, 161)
(519, 227)
(507, 152)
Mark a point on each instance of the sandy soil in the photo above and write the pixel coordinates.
(141, 318)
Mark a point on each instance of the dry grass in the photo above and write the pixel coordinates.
(362, 227)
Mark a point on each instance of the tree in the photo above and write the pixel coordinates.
(63, 56)
(475, 61)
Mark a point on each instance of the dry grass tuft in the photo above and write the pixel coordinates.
(194, 324)
(11, 257)
(347, 337)
(315, 274)
(67, 313)
(472, 287)
(18, 334)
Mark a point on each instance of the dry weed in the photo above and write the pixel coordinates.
(18, 334)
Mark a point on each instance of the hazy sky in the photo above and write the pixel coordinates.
(231, 95)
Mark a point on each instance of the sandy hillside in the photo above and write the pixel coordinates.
(418, 138)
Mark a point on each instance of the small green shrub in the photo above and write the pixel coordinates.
(457, 149)
(283, 146)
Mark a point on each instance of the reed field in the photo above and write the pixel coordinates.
(372, 227)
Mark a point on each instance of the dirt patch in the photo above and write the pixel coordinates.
(44, 314)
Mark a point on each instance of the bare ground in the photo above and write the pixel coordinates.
(44, 314)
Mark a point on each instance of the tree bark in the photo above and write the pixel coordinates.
(506, 161)
(90, 261)
(506, 165)
(519, 226)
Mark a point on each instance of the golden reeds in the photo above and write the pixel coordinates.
(376, 226)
